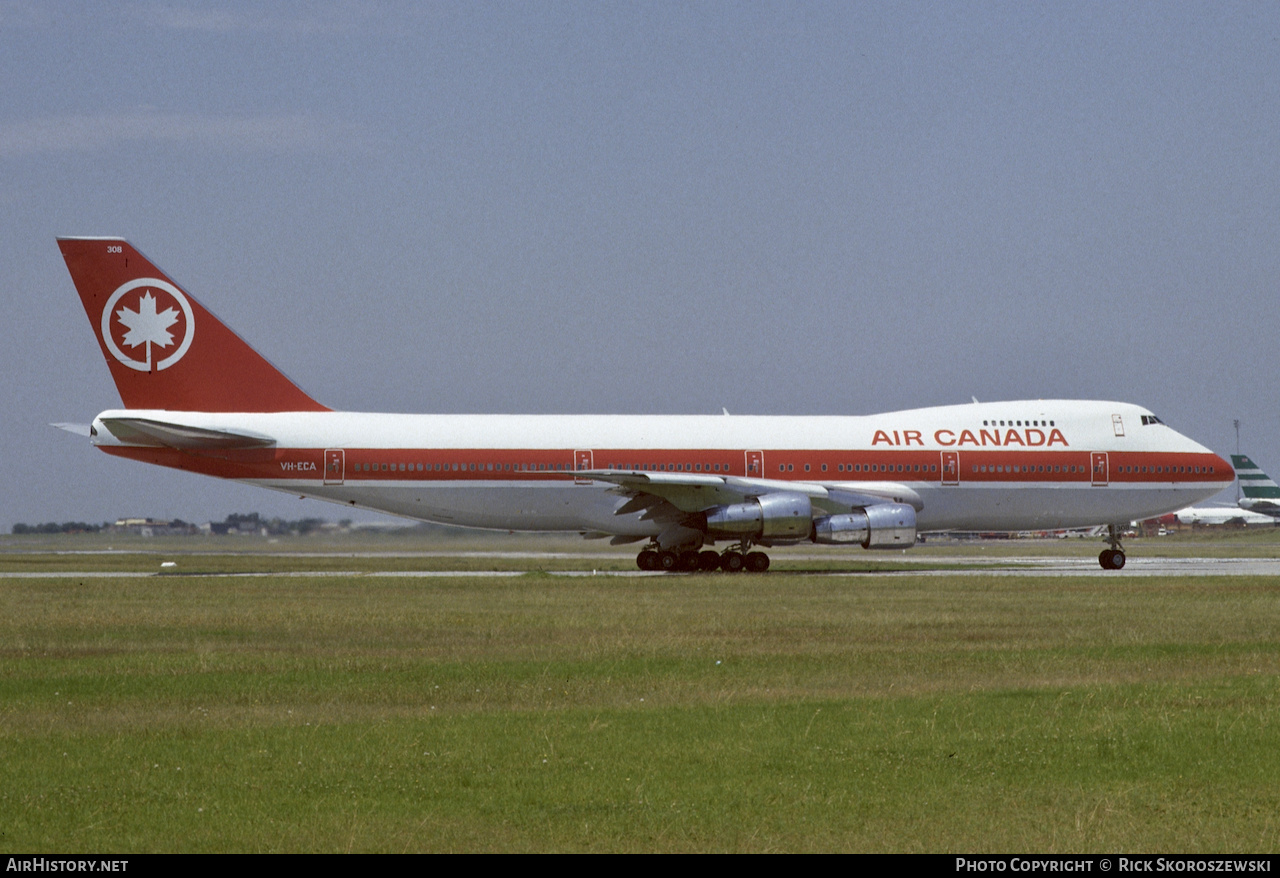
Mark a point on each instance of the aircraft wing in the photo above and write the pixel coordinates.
(1265, 507)
(693, 492)
(163, 434)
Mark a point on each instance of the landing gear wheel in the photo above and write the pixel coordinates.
(708, 561)
(757, 562)
(689, 561)
(668, 561)
(647, 560)
(731, 562)
(1111, 559)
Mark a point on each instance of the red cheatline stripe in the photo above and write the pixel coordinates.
(1049, 467)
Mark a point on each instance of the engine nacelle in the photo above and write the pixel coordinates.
(780, 516)
(883, 526)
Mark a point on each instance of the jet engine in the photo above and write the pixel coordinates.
(882, 526)
(784, 517)
(780, 516)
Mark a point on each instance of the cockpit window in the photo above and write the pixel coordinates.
(1150, 419)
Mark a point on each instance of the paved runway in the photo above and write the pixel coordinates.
(931, 566)
(1135, 567)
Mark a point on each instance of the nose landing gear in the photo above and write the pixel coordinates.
(1112, 558)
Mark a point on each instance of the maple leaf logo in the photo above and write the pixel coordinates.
(140, 321)
(146, 326)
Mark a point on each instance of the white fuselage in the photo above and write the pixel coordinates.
(1038, 464)
(1222, 515)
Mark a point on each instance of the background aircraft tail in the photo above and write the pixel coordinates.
(164, 349)
(1257, 487)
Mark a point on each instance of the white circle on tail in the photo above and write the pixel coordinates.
(144, 321)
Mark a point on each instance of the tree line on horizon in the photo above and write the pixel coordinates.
(234, 523)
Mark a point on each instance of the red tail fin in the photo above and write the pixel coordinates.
(164, 349)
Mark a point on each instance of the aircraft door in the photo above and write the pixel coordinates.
(1098, 459)
(334, 466)
(951, 467)
(582, 460)
(755, 464)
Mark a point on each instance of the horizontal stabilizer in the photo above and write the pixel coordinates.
(160, 434)
(79, 429)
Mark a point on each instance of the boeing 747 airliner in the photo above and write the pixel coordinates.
(197, 397)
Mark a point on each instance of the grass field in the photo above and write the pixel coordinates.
(789, 712)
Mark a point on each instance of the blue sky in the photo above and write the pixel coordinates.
(649, 207)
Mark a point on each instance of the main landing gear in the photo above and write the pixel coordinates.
(735, 560)
(1112, 558)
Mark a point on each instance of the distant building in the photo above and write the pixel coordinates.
(153, 527)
